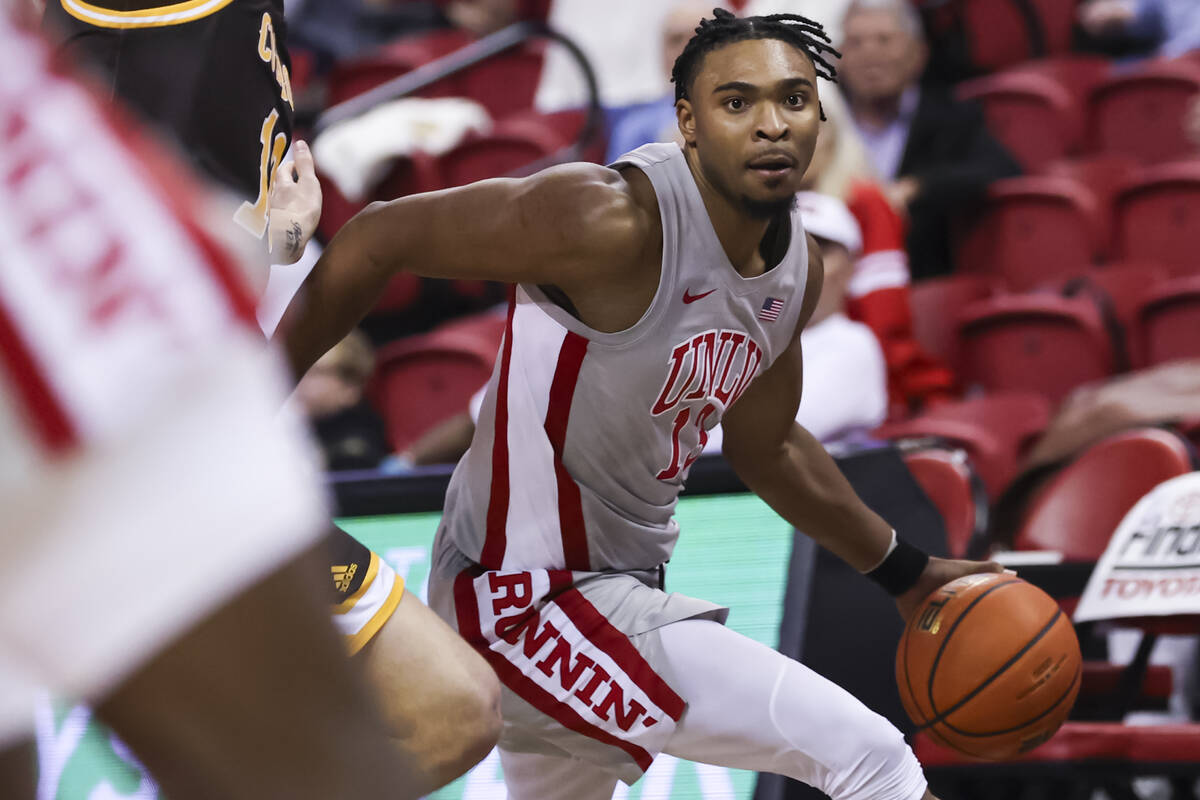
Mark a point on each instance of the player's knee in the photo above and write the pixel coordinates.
(883, 769)
(477, 698)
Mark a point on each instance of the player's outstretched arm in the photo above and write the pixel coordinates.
(569, 226)
(789, 469)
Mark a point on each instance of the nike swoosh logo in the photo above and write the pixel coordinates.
(691, 298)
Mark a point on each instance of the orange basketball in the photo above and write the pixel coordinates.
(989, 666)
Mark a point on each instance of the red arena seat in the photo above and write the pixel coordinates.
(1168, 321)
(1018, 102)
(1034, 342)
(1031, 230)
(1077, 512)
(1158, 216)
(946, 477)
(512, 145)
(421, 380)
(995, 430)
(935, 305)
(1104, 175)
(1141, 113)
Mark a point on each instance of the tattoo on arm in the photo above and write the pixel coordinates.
(295, 239)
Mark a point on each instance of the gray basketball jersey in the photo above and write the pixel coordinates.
(585, 439)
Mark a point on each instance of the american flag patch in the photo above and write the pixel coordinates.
(770, 309)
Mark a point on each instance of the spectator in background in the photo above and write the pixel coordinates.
(877, 291)
(350, 433)
(933, 154)
(845, 373)
(1170, 27)
(655, 121)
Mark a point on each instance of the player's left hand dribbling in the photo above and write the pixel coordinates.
(295, 207)
(937, 574)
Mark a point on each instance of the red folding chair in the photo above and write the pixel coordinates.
(1036, 342)
(421, 380)
(503, 84)
(936, 303)
(1077, 512)
(950, 483)
(511, 146)
(1031, 230)
(995, 430)
(997, 33)
(1122, 285)
(1017, 103)
(1104, 175)
(1167, 323)
(1141, 114)
(1158, 216)
(352, 77)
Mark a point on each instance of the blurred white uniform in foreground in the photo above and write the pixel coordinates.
(144, 477)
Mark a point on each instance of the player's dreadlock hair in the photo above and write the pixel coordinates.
(724, 28)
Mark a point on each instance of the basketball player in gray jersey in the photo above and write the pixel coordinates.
(653, 299)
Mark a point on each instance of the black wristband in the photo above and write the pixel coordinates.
(900, 570)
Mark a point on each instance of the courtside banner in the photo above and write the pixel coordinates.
(1152, 565)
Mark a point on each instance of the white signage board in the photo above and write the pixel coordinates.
(1152, 564)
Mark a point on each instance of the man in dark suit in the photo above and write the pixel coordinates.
(932, 153)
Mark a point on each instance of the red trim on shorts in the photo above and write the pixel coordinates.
(495, 541)
(558, 412)
(600, 632)
(467, 610)
(54, 427)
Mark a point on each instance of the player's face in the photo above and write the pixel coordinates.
(751, 121)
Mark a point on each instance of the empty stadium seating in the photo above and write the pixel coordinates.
(511, 145)
(1077, 512)
(421, 380)
(1035, 342)
(936, 303)
(1104, 175)
(1141, 113)
(1032, 230)
(1122, 283)
(995, 430)
(1167, 323)
(1018, 102)
(1158, 216)
(503, 85)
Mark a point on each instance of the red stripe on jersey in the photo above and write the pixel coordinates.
(558, 412)
(600, 632)
(467, 611)
(495, 541)
(54, 427)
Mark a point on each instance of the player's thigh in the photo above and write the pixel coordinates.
(529, 776)
(750, 707)
(424, 672)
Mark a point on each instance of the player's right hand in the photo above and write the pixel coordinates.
(295, 206)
